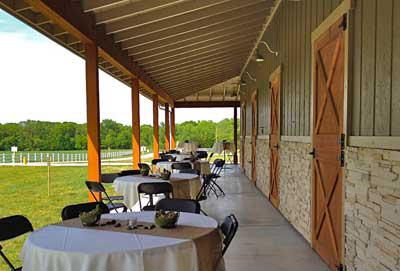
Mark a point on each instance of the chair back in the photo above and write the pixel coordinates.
(155, 161)
(180, 166)
(217, 166)
(153, 189)
(108, 177)
(202, 154)
(190, 171)
(129, 172)
(11, 227)
(167, 157)
(73, 211)
(14, 226)
(97, 187)
(144, 166)
(229, 228)
(179, 205)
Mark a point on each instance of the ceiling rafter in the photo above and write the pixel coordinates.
(189, 25)
(178, 14)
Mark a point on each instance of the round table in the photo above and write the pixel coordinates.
(184, 185)
(68, 246)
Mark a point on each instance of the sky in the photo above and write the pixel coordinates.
(41, 80)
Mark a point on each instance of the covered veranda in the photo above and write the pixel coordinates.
(318, 183)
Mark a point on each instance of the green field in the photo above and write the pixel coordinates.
(23, 191)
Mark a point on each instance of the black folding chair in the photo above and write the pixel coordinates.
(190, 171)
(152, 189)
(109, 178)
(205, 186)
(11, 227)
(97, 187)
(179, 205)
(129, 172)
(144, 166)
(215, 172)
(229, 228)
(167, 157)
(180, 166)
(202, 154)
(73, 211)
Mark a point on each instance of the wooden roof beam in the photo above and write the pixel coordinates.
(69, 15)
(197, 57)
(209, 62)
(194, 78)
(140, 8)
(212, 104)
(187, 22)
(243, 31)
(167, 17)
(206, 67)
(196, 51)
(95, 5)
(164, 39)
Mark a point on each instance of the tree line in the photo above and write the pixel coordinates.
(34, 135)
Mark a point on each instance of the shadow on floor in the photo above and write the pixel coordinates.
(265, 240)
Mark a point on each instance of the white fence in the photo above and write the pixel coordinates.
(58, 157)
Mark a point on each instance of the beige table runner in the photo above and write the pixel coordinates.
(183, 188)
(207, 240)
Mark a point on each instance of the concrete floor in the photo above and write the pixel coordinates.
(265, 240)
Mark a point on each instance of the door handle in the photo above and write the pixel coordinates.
(312, 153)
(276, 146)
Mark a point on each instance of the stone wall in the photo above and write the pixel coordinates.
(295, 185)
(247, 155)
(372, 210)
(262, 165)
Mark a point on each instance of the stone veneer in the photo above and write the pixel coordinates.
(295, 185)
(372, 209)
(262, 165)
(247, 155)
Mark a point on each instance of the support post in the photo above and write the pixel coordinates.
(173, 142)
(235, 139)
(93, 115)
(156, 148)
(167, 136)
(135, 124)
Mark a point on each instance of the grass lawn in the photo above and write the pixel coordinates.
(23, 191)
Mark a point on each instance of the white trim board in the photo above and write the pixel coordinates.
(375, 142)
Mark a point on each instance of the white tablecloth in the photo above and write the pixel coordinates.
(167, 165)
(127, 185)
(202, 165)
(58, 248)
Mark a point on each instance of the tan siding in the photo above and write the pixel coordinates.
(357, 64)
(368, 67)
(383, 68)
(395, 123)
(375, 89)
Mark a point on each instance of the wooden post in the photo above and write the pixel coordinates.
(167, 137)
(156, 148)
(135, 124)
(93, 115)
(235, 139)
(173, 142)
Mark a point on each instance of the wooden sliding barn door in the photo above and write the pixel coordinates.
(328, 142)
(254, 137)
(275, 135)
